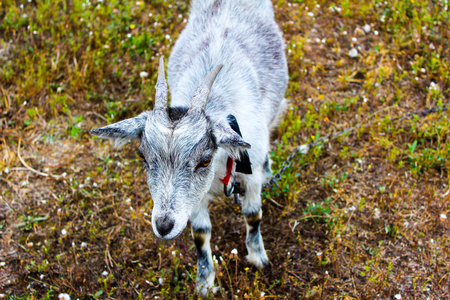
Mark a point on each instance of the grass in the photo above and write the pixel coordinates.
(363, 216)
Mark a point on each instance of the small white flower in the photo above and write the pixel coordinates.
(6, 170)
(443, 217)
(367, 28)
(352, 208)
(167, 37)
(2, 263)
(353, 53)
(432, 46)
(180, 16)
(83, 245)
(398, 296)
(64, 296)
(63, 232)
(143, 74)
(150, 15)
(434, 86)
(41, 277)
(24, 103)
(105, 273)
(354, 39)
(263, 294)
(129, 35)
(59, 89)
(375, 32)
(234, 251)
(310, 14)
(309, 99)
(64, 174)
(174, 253)
(106, 46)
(376, 213)
(160, 280)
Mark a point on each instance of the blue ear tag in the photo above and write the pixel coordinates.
(243, 165)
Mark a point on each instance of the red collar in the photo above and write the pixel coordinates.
(226, 179)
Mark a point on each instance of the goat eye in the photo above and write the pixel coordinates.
(141, 156)
(204, 163)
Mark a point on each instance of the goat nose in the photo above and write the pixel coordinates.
(164, 225)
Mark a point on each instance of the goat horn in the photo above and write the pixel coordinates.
(161, 87)
(200, 97)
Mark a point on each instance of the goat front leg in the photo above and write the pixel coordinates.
(201, 232)
(251, 208)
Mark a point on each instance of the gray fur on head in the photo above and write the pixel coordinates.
(174, 149)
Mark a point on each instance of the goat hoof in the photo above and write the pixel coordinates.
(259, 261)
(206, 290)
(205, 286)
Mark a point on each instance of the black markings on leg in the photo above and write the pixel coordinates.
(203, 262)
(256, 252)
(253, 220)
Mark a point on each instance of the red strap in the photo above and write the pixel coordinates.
(226, 179)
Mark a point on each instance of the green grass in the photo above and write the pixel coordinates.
(360, 216)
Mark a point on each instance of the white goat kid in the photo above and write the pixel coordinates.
(186, 146)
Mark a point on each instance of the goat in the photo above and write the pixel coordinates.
(187, 146)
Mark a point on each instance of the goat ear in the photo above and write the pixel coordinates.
(123, 131)
(227, 138)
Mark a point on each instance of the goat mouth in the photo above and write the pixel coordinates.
(169, 236)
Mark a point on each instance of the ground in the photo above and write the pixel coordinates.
(362, 215)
